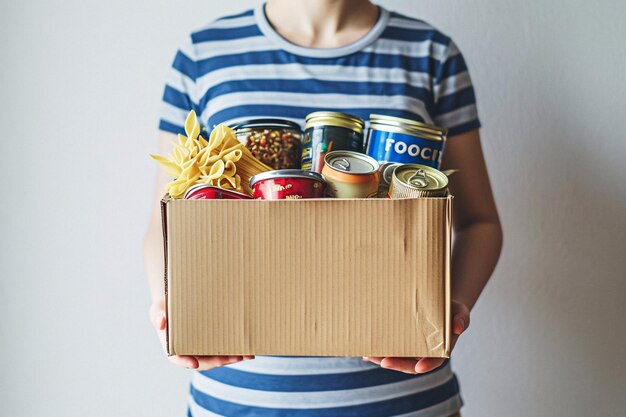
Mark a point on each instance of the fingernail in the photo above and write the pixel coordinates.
(234, 358)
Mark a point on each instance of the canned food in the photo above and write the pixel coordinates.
(275, 142)
(328, 131)
(287, 184)
(411, 181)
(211, 192)
(385, 174)
(351, 174)
(392, 139)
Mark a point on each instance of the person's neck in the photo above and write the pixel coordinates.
(321, 23)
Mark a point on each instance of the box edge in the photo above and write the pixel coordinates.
(164, 202)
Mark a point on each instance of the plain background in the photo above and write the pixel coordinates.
(81, 82)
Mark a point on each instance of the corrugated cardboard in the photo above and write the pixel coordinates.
(331, 277)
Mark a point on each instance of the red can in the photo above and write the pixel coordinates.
(287, 184)
(211, 192)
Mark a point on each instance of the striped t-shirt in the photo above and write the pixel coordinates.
(239, 68)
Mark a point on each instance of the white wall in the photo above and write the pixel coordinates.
(81, 83)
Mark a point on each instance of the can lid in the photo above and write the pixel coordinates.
(407, 131)
(266, 124)
(386, 171)
(407, 123)
(335, 114)
(421, 177)
(333, 118)
(286, 173)
(334, 122)
(196, 187)
(351, 162)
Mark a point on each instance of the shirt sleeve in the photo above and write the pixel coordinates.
(454, 98)
(179, 95)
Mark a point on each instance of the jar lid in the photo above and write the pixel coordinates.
(266, 124)
(335, 114)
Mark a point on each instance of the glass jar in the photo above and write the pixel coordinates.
(275, 142)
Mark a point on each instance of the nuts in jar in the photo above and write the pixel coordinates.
(275, 142)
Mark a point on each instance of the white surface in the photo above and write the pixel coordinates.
(81, 83)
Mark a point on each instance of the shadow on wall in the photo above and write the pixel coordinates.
(575, 269)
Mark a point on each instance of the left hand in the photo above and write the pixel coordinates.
(460, 322)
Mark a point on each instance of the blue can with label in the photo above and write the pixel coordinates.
(392, 139)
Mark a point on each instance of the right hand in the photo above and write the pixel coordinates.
(200, 363)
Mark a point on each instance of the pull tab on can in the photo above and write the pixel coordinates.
(419, 179)
(343, 164)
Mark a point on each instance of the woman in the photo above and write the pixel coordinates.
(286, 59)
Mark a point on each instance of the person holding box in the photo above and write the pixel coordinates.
(285, 59)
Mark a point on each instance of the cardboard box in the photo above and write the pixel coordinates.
(331, 277)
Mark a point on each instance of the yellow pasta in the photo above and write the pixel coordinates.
(221, 161)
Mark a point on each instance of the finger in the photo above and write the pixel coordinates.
(157, 315)
(428, 364)
(248, 357)
(374, 359)
(406, 365)
(460, 323)
(184, 361)
(206, 363)
(461, 318)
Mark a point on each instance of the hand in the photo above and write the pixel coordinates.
(460, 322)
(200, 363)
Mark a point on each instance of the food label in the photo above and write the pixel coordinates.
(406, 149)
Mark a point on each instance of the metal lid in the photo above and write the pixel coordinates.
(266, 124)
(196, 187)
(332, 118)
(407, 131)
(351, 162)
(408, 124)
(421, 177)
(335, 114)
(386, 171)
(286, 173)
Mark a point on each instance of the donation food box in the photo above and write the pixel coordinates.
(326, 277)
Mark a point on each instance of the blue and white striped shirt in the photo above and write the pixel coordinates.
(239, 68)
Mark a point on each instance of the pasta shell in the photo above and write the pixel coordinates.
(233, 156)
(192, 127)
(170, 167)
(229, 168)
(217, 170)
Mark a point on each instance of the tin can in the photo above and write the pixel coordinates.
(411, 181)
(327, 131)
(351, 175)
(275, 142)
(211, 192)
(287, 184)
(385, 174)
(392, 139)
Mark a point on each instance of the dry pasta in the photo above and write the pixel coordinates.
(221, 161)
